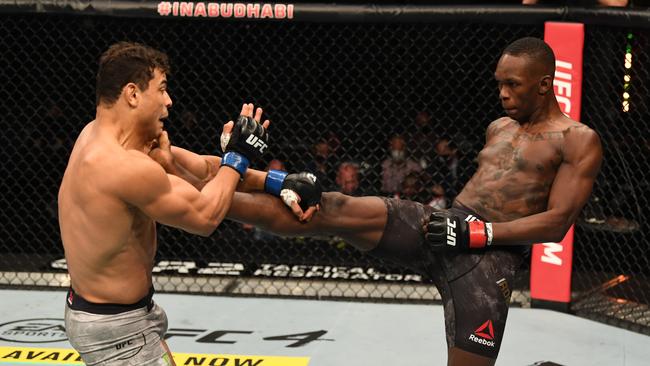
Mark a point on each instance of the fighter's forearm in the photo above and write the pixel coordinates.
(543, 227)
(184, 173)
(200, 169)
(195, 164)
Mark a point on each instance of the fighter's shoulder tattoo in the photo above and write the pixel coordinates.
(541, 136)
(581, 127)
(496, 126)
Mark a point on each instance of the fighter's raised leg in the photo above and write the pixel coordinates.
(358, 220)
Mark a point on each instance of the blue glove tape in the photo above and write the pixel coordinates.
(236, 161)
(273, 182)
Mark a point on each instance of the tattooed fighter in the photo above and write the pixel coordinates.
(535, 173)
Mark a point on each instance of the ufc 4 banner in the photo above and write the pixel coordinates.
(550, 269)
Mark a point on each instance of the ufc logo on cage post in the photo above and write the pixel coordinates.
(550, 267)
(256, 142)
(550, 256)
(451, 232)
(562, 84)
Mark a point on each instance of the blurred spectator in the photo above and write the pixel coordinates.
(396, 166)
(419, 137)
(444, 167)
(322, 164)
(276, 164)
(334, 142)
(347, 179)
(438, 200)
(413, 189)
(189, 121)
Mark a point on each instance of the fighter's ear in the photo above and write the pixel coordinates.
(545, 84)
(131, 93)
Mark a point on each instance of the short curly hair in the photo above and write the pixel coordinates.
(127, 62)
(535, 48)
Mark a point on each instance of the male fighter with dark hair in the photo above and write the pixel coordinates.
(113, 193)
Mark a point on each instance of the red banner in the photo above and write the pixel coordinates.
(550, 270)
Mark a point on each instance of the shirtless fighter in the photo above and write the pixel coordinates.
(535, 173)
(113, 193)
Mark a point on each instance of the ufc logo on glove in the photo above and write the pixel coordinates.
(257, 143)
(451, 232)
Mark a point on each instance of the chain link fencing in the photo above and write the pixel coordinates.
(611, 258)
(336, 93)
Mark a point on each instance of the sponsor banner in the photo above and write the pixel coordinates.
(323, 11)
(226, 10)
(52, 330)
(274, 270)
(206, 359)
(37, 330)
(39, 356)
(550, 272)
(63, 356)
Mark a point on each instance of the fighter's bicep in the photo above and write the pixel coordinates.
(164, 198)
(179, 205)
(571, 190)
(576, 175)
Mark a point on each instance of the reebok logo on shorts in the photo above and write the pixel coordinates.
(485, 334)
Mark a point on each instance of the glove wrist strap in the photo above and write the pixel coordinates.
(478, 237)
(236, 161)
(489, 233)
(273, 182)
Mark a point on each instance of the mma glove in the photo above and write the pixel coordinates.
(446, 231)
(247, 141)
(303, 188)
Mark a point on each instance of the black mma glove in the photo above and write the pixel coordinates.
(246, 142)
(447, 231)
(303, 188)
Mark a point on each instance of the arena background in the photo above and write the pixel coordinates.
(347, 76)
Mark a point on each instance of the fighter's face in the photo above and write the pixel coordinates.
(154, 104)
(518, 86)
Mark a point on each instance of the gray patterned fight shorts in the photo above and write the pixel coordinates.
(117, 334)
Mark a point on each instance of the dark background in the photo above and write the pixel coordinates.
(358, 82)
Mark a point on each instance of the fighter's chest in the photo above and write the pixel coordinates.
(526, 152)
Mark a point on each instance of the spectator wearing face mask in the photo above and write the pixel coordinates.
(437, 199)
(396, 166)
